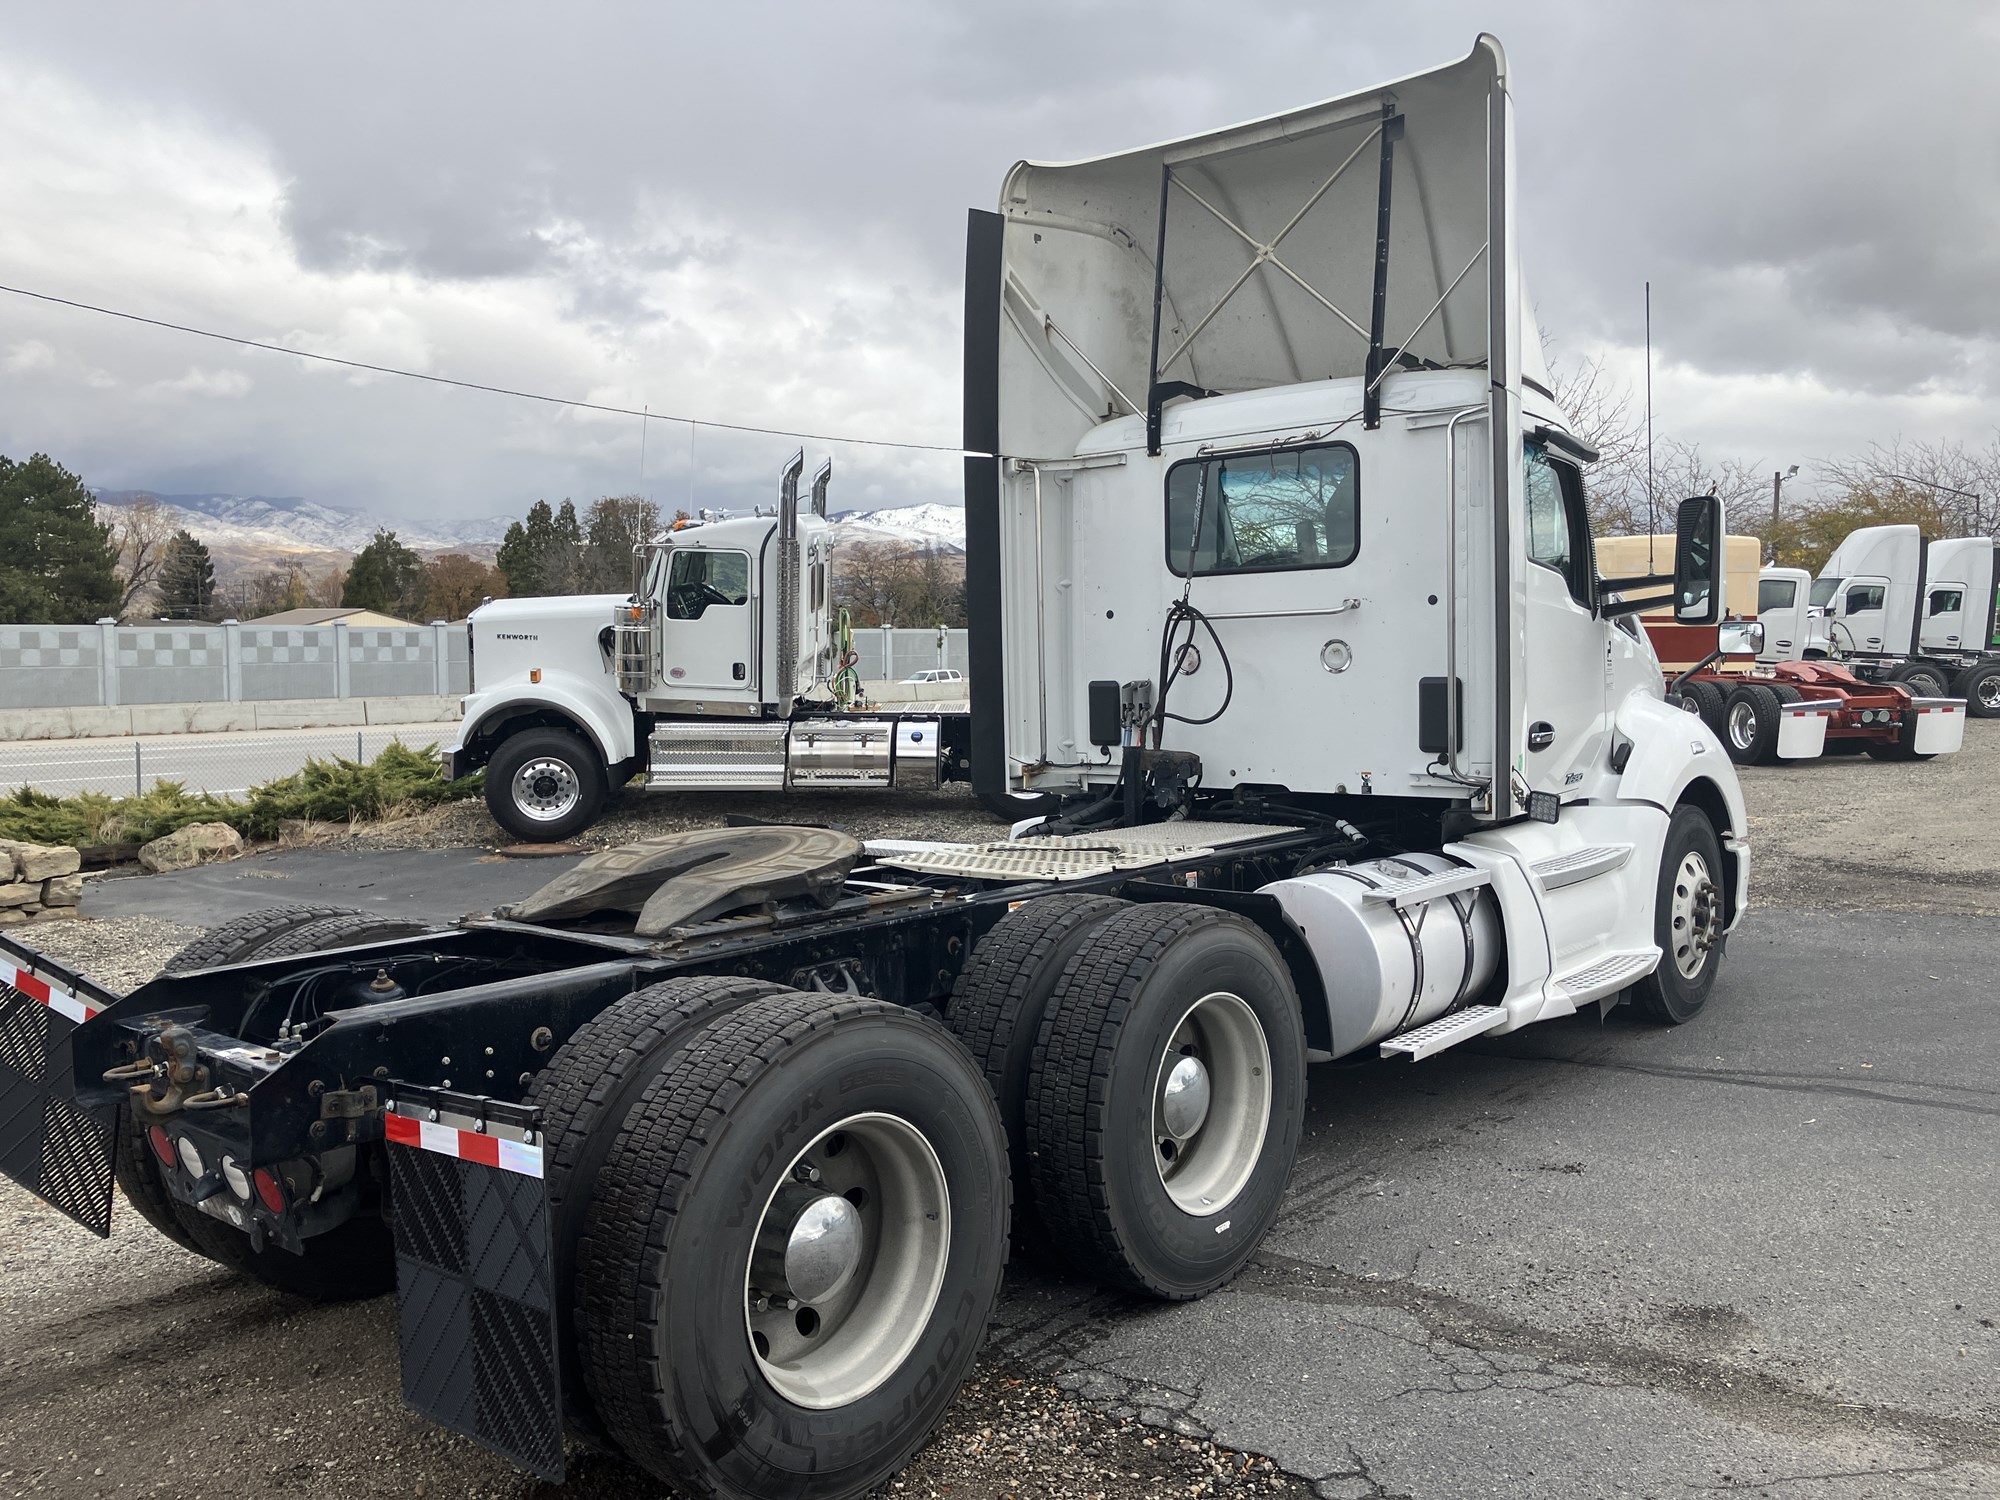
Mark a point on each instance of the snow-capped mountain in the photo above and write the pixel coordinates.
(291, 522)
(942, 526)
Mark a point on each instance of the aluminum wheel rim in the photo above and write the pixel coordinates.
(859, 1335)
(1742, 724)
(1989, 691)
(1696, 915)
(1204, 1169)
(547, 789)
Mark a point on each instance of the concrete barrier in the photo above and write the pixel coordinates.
(206, 718)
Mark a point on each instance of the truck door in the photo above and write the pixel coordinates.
(1857, 620)
(1570, 651)
(1781, 606)
(1944, 617)
(708, 636)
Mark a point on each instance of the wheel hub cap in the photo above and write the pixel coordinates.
(1742, 725)
(1697, 915)
(546, 790)
(1211, 1104)
(847, 1261)
(1184, 1101)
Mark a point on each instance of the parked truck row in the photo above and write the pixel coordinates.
(1280, 579)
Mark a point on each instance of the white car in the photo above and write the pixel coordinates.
(937, 674)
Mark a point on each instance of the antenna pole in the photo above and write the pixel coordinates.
(645, 415)
(1652, 518)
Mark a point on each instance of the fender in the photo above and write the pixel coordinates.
(599, 709)
(1677, 758)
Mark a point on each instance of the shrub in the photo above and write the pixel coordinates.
(325, 791)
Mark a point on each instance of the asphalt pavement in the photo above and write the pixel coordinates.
(1760, 1252)
(227, 763)
(1756, 1254)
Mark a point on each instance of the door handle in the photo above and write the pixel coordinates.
(1541, 735)
(736, 671)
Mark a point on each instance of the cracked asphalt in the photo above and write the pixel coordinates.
(1757, 1254)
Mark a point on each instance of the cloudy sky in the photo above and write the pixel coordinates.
(755, 213)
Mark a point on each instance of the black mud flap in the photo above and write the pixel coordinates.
(56, 1150)
(475, 1295)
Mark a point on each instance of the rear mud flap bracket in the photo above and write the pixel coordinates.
(56, 1150)
(475, 1288)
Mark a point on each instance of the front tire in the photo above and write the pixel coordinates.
(842, 1155)
(545, 785)
(1165, 1106)
(1688, 920)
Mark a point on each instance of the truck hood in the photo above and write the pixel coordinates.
(523, 615)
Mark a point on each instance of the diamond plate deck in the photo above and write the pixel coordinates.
(1076, 856)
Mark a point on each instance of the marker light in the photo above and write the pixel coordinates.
(270, 1191)
(162, 1146)
(236, 1177)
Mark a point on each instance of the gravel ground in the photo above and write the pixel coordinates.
(948, 813)
(1850, 833)
(107, 1339)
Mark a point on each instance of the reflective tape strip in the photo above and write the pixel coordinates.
(466, 1145)
(62, 1002)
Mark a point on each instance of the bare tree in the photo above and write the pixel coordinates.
(141, 532)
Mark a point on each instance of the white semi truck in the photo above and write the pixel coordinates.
(1894, 606)
(1279, 570)
(721, 671)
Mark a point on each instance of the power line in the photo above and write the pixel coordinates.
(473, 385)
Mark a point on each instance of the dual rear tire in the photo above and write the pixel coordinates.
(790, 1219)
(1150, 1064)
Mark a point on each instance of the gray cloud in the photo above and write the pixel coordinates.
(755, 212)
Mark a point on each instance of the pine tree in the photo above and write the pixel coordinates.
(543, 555)
(186, 580)
(386, 576)
(57, 563)
(617, 524)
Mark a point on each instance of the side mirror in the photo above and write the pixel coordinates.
(1741, 638)
(1698, 561)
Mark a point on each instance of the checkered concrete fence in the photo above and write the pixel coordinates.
(109, 665)
(892, 654)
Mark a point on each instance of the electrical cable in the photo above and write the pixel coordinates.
(645, 415)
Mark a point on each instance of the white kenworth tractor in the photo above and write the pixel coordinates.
(710, 1151)
(1894, 606)
(724, 670)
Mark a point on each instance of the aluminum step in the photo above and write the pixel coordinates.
(1559, 870)
(1607, 976)
(1445, 1031)
(1421, 888)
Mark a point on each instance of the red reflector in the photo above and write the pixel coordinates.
(270, 1191)
(162, 1147)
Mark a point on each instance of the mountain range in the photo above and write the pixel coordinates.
(283, 525)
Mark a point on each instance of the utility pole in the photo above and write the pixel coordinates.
(1777, 489)
(1946, 490)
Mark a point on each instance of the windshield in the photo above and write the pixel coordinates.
(1824, 589)
(1776, 593)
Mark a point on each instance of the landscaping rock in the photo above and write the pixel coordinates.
(64, 890)
(19, 893)
(53, 913)
(44, 862)
(196, 844)
(10, 915)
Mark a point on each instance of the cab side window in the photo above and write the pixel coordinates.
(700, 580)
(1947, 601)
(1867, 596)
(1558, 529)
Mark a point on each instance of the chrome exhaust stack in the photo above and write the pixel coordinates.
(788, 579)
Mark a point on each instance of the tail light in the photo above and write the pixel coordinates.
(190, 1155)
(236, 1177)
(163, 1146)
(270, 1190)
